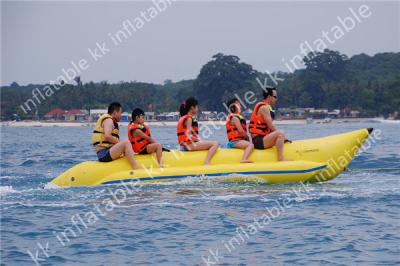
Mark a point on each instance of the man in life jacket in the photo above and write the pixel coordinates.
(236, 130)
(263, 132)
(106, 140)
(140, 137)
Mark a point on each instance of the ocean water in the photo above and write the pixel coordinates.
(353, 219)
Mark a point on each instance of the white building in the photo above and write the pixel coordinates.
(168, 116)
(94, 114)
(150, 116)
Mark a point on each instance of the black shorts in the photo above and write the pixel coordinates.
(258, 142)
(144, 151)
(104, 155)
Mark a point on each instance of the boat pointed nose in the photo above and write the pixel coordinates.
(370, 129)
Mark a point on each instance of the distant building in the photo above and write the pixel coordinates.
(94, 114)
(125, 117)
(355, 114)
(168, 116)
(55, 114)
(207, 115)
(292, 113)
(76, 115)
(334, 114)
(295, 113)
(394, 116)
(319, 113)
(349, 113)
(150, 116)
(70, 115)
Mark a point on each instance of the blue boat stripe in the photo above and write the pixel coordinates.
(217, 174)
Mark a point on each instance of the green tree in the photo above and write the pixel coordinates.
(220, 78)
(329, 63)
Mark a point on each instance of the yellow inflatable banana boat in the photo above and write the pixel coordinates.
(318, 159)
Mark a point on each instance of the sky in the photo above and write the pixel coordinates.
(40, 39)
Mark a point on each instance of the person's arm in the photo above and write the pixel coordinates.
(108, 125)
(142, 135)
(189, 130)
(237, 124)
(266, 114)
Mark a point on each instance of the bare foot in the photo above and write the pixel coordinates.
(246, 161)
(285, 160)
(207, 163)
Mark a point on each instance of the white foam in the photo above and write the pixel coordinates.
(389, 121)
(51, 186)
(6, 189)
(233, 196)
(58, 204)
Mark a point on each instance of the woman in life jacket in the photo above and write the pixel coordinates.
(140, 137)
(188, 131)
(236, 130)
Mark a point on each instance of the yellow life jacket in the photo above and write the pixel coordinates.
(98, 132)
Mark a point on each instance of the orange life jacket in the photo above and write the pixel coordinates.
(258, 125)
(138, 143)
(232, 131)
(183, 139)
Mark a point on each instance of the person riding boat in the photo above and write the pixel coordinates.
(188, 131)
(140, 137)
(236, 130)
(106, 139)
(263, 132)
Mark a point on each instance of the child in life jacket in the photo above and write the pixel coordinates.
(236, 130)
(188, 131)
(140, 137)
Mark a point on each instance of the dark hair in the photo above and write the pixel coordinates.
(186, 105)
(137, 112)
(268, 91)
(231, 104)
(114, 107)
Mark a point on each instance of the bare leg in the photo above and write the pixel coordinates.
(156, 147)
(279, 145)
(124, 147)
(276, 138)
(247, 147)
(211, 146)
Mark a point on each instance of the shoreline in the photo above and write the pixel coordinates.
(173, 123)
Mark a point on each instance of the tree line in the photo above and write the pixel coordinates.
(329, 80)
